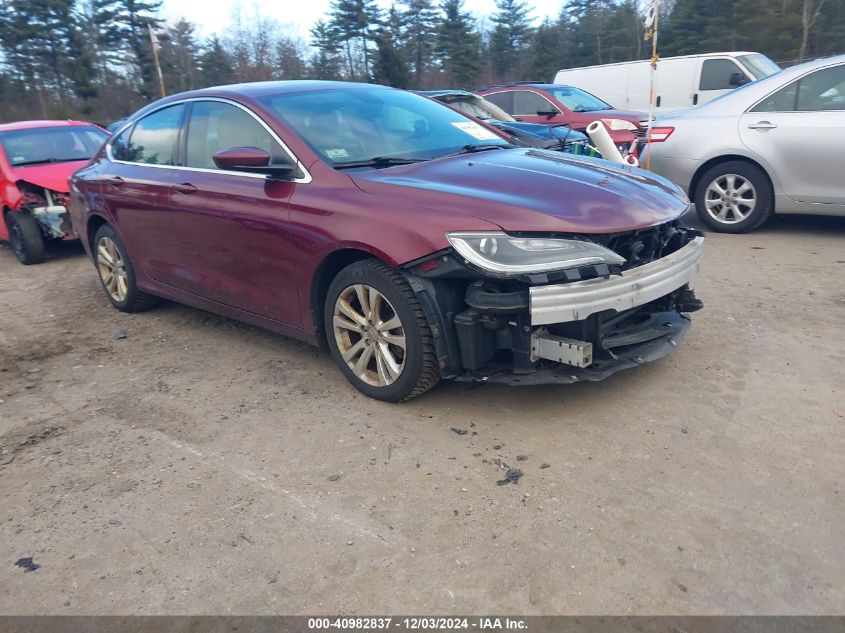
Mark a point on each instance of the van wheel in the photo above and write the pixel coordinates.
(117, 275)
(378, 333)
(734, 197)
(25, 237)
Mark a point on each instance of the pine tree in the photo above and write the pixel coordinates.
(389, 66)
(123, 28)
(178, 56)
(548, 52)
(216, 64)
(458, 44)
(511, 33)
(420, 31)
(326, 62)
(356, 23)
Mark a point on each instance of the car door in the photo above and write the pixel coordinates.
(797, 130)
(136, 190)
(233, 227)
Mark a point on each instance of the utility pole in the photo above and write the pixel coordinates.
(156, 45)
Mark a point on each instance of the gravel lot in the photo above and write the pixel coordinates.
(202, 466)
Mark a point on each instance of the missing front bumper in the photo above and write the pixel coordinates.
(564, 303)
(601, 368)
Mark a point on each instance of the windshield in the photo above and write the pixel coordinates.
(41, 145)
(579, 101)
(759, 65)
(361, 124)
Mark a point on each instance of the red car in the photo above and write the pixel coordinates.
(36, 160)
(413, 242)
(553, 103)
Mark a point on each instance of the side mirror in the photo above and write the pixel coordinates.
(251, 160)
(738, 79)
(548, 113)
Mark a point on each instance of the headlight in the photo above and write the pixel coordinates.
(504, 256)
(618, 124)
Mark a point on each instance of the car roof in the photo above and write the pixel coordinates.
(525, 84)
(265, 88)
(29, 125)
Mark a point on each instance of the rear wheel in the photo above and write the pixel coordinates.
(25, 237)
(734, 197)
(117, 275)
(378, 333)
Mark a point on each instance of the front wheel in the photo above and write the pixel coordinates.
(378, 333)
(25, 237)
(734, 197)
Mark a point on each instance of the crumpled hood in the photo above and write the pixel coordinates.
(52, 176)
(533, 190)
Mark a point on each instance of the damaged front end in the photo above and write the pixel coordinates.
(582, 308)
(48, 208)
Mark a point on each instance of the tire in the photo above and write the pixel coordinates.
(110, 256)
(25, 237)
(734, 212)
(376, 344)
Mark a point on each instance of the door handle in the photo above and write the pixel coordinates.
(185, 187)
(114, 181)
(762, 125)
(695, 99)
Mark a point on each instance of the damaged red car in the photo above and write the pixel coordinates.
(36, 160)
(410, 240)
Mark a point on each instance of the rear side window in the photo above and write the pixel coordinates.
(527, 102)
(821, 91)
(216, 126)
(502, 99)
(153, 139)
(716, 74)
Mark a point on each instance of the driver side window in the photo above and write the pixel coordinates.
(216, 126)
(530, 103)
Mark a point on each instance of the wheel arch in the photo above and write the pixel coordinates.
(93, 225)
(324, 273)
(724, 158)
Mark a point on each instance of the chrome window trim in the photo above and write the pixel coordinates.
(306, 178)
(750, 109)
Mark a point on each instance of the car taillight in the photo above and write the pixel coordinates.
(660, 134)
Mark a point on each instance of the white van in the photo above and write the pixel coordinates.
(680, 82)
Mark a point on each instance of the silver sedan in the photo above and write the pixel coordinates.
(776, 145)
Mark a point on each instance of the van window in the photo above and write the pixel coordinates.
(716, 74)
(502, 99)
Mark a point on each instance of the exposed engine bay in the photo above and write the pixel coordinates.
(580, 323)
(48, 208)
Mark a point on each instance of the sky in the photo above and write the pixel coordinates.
(212, 16)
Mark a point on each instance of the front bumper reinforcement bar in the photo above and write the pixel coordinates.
(562, 303)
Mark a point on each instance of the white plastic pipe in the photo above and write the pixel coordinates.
(601, 139)
(632, 160)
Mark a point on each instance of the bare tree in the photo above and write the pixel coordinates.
(809, 15)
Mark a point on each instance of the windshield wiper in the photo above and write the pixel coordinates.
(379, 161)
(45, 161)
(471, 149)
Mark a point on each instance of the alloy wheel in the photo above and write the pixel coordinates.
(369, 335)
(112, 269)
(730, 198)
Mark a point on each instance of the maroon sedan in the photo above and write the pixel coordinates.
(413, 242)
(554, 104)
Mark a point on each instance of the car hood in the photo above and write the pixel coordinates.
(534, 190)
(52, 176)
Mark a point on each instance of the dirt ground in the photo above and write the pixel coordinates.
(202, 466)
